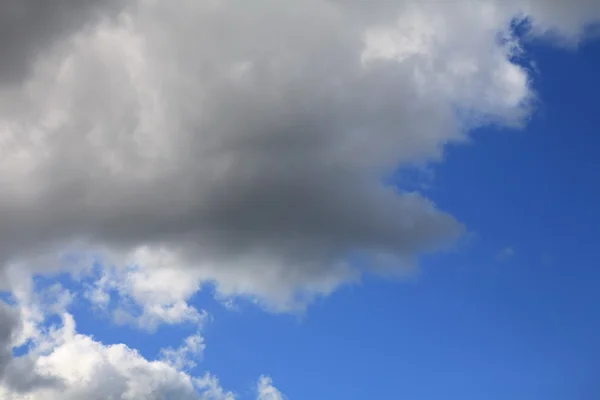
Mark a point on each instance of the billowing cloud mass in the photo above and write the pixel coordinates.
(150, 147)
(29, 28)
(63, 364)
(244, 143)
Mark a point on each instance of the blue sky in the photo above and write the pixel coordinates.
(469, 326)
(215, 229)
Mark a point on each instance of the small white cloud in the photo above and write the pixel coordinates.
(266, 390)
(185, 356)
(146, 296)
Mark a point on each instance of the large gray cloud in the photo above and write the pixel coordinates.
(246, 142)
(8, 322)
(29, 27)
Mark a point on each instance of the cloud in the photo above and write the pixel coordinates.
(144, 297)
(244, 145)
(568, 23)
(92, 370)
(61, 363)
(187, 142)
(266, 390)
(29, 28)
(8, 324)
(17, 374)
(184, 356)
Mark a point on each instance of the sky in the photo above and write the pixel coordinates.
(219, 200)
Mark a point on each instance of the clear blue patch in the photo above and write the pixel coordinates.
(22, 350)
(8, 298)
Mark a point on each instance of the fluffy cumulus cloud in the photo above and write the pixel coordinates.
(241, 144)
(266, 390)
(61, 363)
(244, 144)
(85, 369)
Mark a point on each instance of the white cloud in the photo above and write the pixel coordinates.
(146, 296)
(266, 390)
(63, 364)
(90, 370)
(186, 355)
